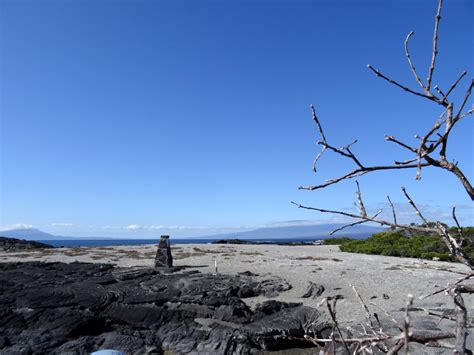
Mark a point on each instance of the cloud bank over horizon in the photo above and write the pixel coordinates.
(405, 214)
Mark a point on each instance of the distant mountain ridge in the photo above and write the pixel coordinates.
(29, 234)
(316, 231)
(36, 234)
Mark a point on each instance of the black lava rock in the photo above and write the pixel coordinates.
(12, 244)
(80, 308)
(313, 290)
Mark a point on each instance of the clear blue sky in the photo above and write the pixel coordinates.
(144, 117)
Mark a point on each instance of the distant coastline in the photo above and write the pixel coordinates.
(70, 243)
(281, 234)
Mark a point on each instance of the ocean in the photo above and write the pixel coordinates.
(69, 243)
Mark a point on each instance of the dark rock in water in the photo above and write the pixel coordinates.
(232, 241)
(12, 244)
(313, 290)
(258, 242)
(81, 308)
(163, 256)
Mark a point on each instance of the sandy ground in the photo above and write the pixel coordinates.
(383, 281)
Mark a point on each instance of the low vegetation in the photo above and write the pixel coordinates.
(337, 241)
(398, 243)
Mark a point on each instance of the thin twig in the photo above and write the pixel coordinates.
(435, 47)
(380, 75)
(422, 150)
(362, 171)
(466, 97)
(321, 132)
(316, 120)
(332, 313)
(444, 316)
(457, 282)
(461, 321)
(406, 324)
(466, 114)
(412, 67)
(344, 151)
(454, 85)
(354, 223)
(315, 162)
(414, 206)
(393, 210)
(364, 306)
(459, 228)
(362, 210)
(393, 139)
(370, 219)
(439, 91)
(409, 161)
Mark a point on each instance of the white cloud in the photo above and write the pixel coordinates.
(133, 227)
(61, 224)
(158, 227)
(176, 227)
(155, 227)
(16, 226)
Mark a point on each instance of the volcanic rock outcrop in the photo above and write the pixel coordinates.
(79, 308)
(13, 244)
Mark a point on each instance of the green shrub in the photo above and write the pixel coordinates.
(396, 243)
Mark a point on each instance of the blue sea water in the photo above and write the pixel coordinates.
(69, 243)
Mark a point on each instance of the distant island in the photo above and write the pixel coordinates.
(316, 232)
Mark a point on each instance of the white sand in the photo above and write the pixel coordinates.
(326, 265)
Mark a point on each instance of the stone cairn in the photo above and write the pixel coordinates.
(163, 256)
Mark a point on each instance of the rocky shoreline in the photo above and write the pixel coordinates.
(12, 244)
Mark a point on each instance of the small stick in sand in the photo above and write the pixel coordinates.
(406, 325)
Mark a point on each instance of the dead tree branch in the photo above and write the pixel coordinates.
(425, 221)
(412, 67)
(332, 312)
(461, 320)
(435, 47)
(458, 226)
(393, 210)
(446, 289)
(406, 324)
(430, 149)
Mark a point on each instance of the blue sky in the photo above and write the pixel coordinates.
(192, 117)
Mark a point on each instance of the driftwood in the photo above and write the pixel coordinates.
(430, 150)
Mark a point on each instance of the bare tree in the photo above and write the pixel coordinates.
(430, 150)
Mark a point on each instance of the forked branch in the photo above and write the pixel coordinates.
(430, 149)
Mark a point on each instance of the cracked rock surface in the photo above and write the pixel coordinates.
(82, 307)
